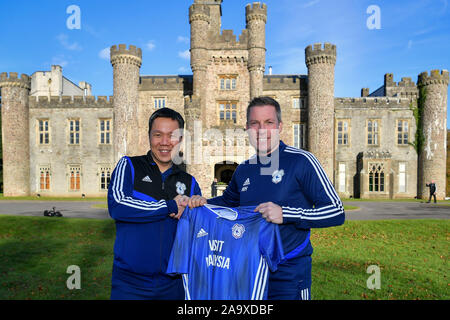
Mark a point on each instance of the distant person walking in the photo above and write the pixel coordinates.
(432, 187)
(214, 188)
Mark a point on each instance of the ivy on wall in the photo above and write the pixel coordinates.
(418, 116)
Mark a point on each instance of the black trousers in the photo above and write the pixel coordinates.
(432, 195)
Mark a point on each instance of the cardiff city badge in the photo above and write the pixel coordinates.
(237, 231)
(277, 175)
(181, 187)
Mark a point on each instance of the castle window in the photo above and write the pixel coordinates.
(74, 178)
(228, 111)
(402, 132)
(299, 134)
(376, 177)
(342, 132)
(227, 82)
(74, 131)
(43, 131)
(105, 177)
(159, 102)
(298, 103)
(105, 131)
(373, 132)
(44, 178)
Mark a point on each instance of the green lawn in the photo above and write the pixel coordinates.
(411, 254)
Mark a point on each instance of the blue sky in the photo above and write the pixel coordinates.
(414, 37)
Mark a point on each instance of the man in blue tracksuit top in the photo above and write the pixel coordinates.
(146, 197)
(289, 188)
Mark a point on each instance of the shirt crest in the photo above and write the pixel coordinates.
(277, 176)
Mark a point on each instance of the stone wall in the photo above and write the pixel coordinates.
(358, 154)
(59, 154)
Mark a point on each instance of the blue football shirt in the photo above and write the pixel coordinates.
(225, 253)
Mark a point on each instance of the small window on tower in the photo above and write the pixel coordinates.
(228, 111)
(227, 82)
(159, 102)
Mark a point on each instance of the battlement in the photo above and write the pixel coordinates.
(208, 1)
(372, 102)
(199, 12)
(12, 80)
(405, 81)
(320, 54)
(37, 102)
(227, 40)
(256, 10)
(122, 49)
(155, 83)
(285, 82)
(435, 77)
(318, 49)
(121, 54)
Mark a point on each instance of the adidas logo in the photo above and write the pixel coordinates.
(201, 233)
(245, 185)
(146, 179)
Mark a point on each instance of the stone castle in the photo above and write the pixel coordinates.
(59, 140)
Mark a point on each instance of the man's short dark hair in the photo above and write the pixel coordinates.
(264, 101)
(165, 113)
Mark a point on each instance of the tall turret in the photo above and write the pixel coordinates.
(432, 160)
(256, 17)
(193, 143)
(126, 65)
(15, 133)
(320, 62)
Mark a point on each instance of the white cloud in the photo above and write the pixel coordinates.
(64, 41)
(310, 3)
(60, 60)
(183, 69)
(150, 45)
(184, 54)
(104, 53)
(410, 43)
(183, 39)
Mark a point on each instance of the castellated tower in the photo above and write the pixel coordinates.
(256, 17)
(432, 159)
(320, 62)
(193, 138)
(15, 134)
(126, 64)
(199, 19)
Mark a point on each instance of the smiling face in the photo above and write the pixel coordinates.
(165, 137)
(264, 129)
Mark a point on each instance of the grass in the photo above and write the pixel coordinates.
(36, 251)
(411, 254)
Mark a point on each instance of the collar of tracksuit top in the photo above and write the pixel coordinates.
(141, 186)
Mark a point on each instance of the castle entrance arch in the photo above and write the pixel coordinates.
(223, 171)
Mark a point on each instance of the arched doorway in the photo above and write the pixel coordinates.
(223, 171)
